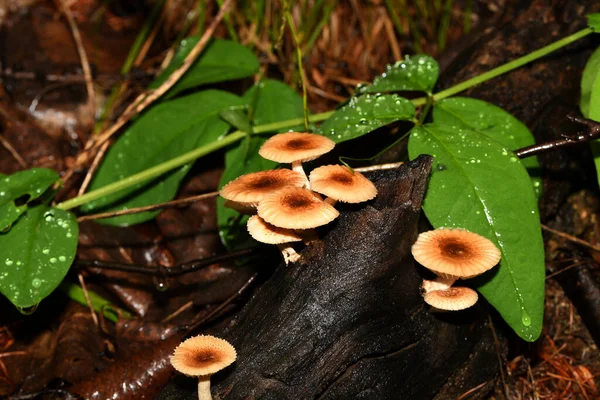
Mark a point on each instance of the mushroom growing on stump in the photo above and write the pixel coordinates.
(296, 208)
(263, 232)
(245, 192)
(201, 356)
(339, 183)
(453, 254)
(452, 299)
(296, 148)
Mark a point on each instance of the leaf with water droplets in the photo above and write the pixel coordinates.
(222, 60)
(493, 122)
(418, 72)
(479, 185)
(168, 130)
(36, 254)
(366, 113)
(272, 101)
(22, 187)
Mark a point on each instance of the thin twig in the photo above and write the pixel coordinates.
(570, 238)
(85, 63)
(87, 300)
(217, 310)
(592, 133)
(175, 313)
(165, 272)
(153, 207)
(13, 353)
(148, 97)
(500, 364)
(6, 144)
(560, 271)
(471, 391)
(378, 167)
(93, 168)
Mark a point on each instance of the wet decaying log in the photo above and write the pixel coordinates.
(348, 321)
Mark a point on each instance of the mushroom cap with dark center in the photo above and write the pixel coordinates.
(264, 232)
(340, 183)
(451, 299)
(252, 188)
(296, 208)
(455, 252)
(203, 355)
(295, 146)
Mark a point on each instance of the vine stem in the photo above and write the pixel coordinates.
(182, 160)
(519, 62)
(290, 22)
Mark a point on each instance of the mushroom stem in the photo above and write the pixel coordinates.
(297, 166)
(439, 283)
(204, 388)
(288, 253)
(330, 201)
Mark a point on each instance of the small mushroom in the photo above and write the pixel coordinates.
(264, 232)
(455, 253)
(439, 283)
(452, 299)
(201, 356)
(251, 188)
(296, 148)
(339, 183)
(296, 208)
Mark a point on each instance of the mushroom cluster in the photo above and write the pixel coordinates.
(288, 202)
(202, 356)
(453, 254)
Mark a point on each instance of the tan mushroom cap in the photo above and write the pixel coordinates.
(203, 355)
(455, 253)
(296, 208)
(252, 188)
(295, 146)
(452, 299)
(340, 183)
(264, 232)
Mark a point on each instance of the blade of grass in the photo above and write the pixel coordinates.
(290, 22)
(99, 304)
(444, 24)
(229, 24)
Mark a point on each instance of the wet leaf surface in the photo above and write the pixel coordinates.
(479, 185)
(366, 113)
(24, 186)
(37, 253)
(493, 122)
(418, 72)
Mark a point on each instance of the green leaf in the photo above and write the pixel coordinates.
(418, 72)
(594, 21)
(492, 122)
(366, 113)
(222, 60)
(31, 183)
(271, 101)
(237, 119)
(590, 87)
(165, 132)
(36, 254)
(479, 185)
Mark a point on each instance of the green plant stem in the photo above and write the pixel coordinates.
(99, 304)
(182, 160)
(228, 24)
(290, 22)
(519, 62)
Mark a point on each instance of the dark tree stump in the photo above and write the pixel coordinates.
(349, 320)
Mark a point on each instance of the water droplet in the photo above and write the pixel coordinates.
(48, 216)
(9, 262)
(27, 310)
(161, 284)
(62, 258)
(525, 318)
(36, 283)
(53, 260)
(46, 251)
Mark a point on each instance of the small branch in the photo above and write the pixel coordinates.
(592, 133)
(6, 144)
(153, 207)
(570, 238)
(93, 168)
(165, 272)
(85, 63)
